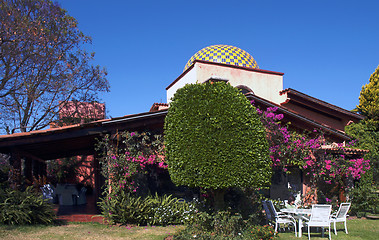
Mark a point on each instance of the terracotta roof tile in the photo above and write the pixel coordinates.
(158, 106)
(285, 110)
(320, 102)
(335, 148)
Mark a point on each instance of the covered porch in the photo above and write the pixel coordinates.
(30, 152)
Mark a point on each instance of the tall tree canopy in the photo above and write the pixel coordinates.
(42, 63)
(215, 140)
(369, 98)
(367, 131)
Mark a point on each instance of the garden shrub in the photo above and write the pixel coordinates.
(4, 170)
(223, 225)
(360, 214)
(126, 208)
(258, 232)
(227, 224)
(247, 202)
(169, 210)
(194, 232)
(363, 197)
(28, 207)
(123, 208)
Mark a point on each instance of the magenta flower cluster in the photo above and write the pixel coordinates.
(126, 167)
(359, 167)
(289, 148)
(123, 167)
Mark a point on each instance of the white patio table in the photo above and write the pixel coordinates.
(297, 213)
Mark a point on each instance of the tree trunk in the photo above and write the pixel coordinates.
(219, 203)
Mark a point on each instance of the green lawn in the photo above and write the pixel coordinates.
(358, 229)
(85, 231)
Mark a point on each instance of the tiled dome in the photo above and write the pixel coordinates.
(224, 54)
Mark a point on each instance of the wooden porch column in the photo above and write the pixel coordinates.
(43, 169)
(36, 170)
(98, 178)
(15, 173)
(39, 168)
(28, 170)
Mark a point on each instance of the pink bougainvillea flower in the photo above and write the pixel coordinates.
(162, 165)
(279, 117)
(309, 162)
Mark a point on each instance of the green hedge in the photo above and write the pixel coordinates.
(214, 139)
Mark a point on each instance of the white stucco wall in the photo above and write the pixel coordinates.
(188, 78)
(264, 84)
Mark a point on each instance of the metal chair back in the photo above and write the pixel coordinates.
(321, 214)
(272, 209)
(269, 215)
(342, 211)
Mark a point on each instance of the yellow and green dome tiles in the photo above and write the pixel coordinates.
(224, 54)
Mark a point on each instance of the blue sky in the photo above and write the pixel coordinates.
(327, 49)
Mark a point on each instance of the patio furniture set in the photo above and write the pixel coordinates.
(318, 216)
(64, 194)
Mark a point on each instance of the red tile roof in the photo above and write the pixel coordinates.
(75, 126)
(333, 148)
(158, 106)
(289, 112)
(290, 91)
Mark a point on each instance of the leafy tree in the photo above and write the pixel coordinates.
(42, 63)
(363, 197)
(215, 140)
(369, 98)
(368, 136)
(367, 131)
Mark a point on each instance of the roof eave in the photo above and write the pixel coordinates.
(223, 65)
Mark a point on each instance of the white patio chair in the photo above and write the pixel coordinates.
(269, 217)
(279, 217)
(340, 216)
(320, 217)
